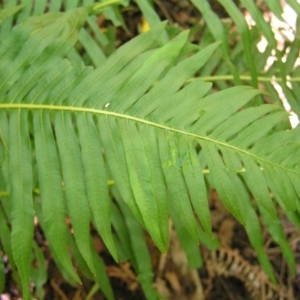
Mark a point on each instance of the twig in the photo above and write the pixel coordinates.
(58, 291)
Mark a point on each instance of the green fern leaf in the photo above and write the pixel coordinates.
(5, 239)
(96, 179)
(172, 166)
(253, 227)
(140, 255)
(22, 212)
(139, 120)
(276, 8)
(74, 183)
(8, 12)
(50, 182)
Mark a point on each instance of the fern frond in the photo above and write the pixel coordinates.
(138, 120)
(245, 62)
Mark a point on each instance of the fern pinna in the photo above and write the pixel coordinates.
(130, 143)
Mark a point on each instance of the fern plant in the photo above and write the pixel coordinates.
(127, 143)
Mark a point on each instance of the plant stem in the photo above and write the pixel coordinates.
(246, 78)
